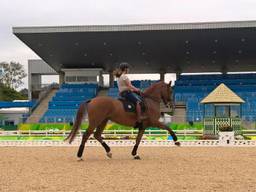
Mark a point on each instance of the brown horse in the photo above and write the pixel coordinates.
(102, 109)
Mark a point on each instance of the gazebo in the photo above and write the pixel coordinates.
(222, 108)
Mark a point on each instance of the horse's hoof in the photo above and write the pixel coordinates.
(109, 155)
(80, 159)
(177, 143)
(137, 157)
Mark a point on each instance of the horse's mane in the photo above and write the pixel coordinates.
(152, 87)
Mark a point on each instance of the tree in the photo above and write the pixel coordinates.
(13, 75)
(24, 92)
(9, 94)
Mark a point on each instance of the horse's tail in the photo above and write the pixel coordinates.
(79, 117)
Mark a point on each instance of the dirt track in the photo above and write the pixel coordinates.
(161, 169)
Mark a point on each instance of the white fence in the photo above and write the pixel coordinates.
(129, 143)
(131, 132)
(121, 142)
(106, 133)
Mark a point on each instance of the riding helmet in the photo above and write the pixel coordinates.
(124, 66)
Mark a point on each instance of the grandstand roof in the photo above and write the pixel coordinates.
(149, 48)
(222, 94)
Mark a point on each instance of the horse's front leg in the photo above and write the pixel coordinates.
(165, 127)
(138, 139)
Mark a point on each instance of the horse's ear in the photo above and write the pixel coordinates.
(170, 83)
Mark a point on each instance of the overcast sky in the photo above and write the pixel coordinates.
(96, 12)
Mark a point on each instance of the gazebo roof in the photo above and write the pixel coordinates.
(222, 94)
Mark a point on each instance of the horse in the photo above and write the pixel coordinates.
(103, 108)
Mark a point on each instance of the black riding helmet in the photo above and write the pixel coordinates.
(124, 66)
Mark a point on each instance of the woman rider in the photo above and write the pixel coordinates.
(127, 90)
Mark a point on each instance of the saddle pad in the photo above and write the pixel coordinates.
(129, 106)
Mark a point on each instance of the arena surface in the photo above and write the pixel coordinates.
(161, 169)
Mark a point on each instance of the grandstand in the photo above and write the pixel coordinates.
(82, 54)
(189, 90)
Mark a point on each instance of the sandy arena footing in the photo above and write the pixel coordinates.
(51, 169)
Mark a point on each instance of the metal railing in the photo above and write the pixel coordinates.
(106, 133)
(113, 133)
(41, 86)
(69, 118)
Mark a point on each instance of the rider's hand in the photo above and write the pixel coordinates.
(136, 90)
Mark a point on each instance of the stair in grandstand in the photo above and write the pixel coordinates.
(41, 108)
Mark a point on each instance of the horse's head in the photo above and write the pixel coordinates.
(160, 91)
(165, 92)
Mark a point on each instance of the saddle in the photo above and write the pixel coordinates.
(130, 106)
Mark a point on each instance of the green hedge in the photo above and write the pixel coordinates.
(9, 127)
(113, 126)
(30, 138)
(47, 126)
(182, 126)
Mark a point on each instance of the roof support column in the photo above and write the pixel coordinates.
(36, 86)
(224, 70)
(178, 73)
(61, 78)
(111, 79)
(36, 80)
(162, 76)
(29, 83)
(101, 82)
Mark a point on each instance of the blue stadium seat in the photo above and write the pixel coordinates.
(191, 89)
(63, 106)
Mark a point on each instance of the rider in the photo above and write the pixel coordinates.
(127, 90)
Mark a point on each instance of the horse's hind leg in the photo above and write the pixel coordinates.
(97, 136)
(86, 136)
(138, 139)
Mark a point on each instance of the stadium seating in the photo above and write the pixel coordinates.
(188, 89)
(191, 89)
(63, 106)
(11, 104)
